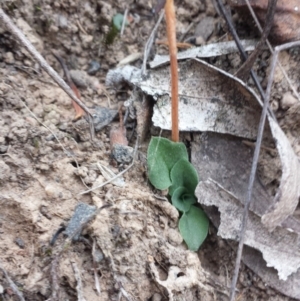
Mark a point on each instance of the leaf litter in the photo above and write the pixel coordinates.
(51, 186)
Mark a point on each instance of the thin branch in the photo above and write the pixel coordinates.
(272, 50)
(242, 51)
(54, 279)
(95, 268)
(150, 41)
(246, 67)
(18, 34)
(254, 163)
(79, 288)
(12, 284)
(171, 32)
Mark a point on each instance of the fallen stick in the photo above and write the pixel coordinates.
(18, 34)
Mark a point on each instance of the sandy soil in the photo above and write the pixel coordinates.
(132, 249)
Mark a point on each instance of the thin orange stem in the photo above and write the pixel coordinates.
(171, 32)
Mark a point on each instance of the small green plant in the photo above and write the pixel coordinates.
(115, 28)
(168, 164)
(169, 168)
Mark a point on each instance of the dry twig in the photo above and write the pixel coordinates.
(54, 279)
(246, 67)
(272, 50)
(95, 268)
(254, 163)
(150, 41)
(18, 34)
(80, 296)
(12, 284)
(240, 47)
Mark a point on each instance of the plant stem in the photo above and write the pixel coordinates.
(171, 32)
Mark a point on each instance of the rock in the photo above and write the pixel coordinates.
(156, 297)
(94, 67)
(86, 40)
(287, 101)
(174, 237)
(9, 58)
(61, 21)
(82, 80)
(122, 153)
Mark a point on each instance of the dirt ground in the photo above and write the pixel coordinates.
(133, 249)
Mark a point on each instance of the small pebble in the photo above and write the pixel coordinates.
(174, 237)
(86, 40)
(44, 210)
(62, 21)
(19, 242)
(3, 149)
(156, 297)
(287, 101)
(82, 214)
(122, 153)
(274, 105)
(98, 256)
(79, 78)
(94, 67)
(102, 117)
(9, 58)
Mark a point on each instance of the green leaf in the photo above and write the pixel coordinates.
(161, 156)
(118, 21)
(193, 226)
(182, 199)
(183, 174)
(115, 27)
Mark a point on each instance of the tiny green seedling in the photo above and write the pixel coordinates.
(115, 28)
(169, 168)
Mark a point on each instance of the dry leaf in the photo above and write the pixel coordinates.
(280, 247)
(283, 207)
(227, 160)
(286, 23)
(210, 50)
(209, 100)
